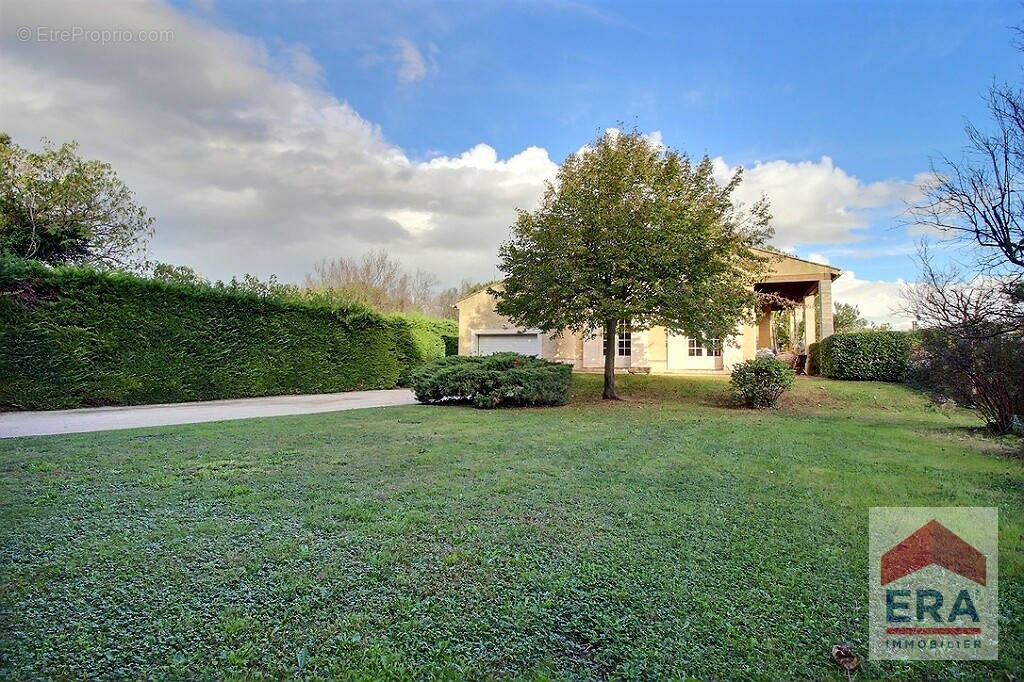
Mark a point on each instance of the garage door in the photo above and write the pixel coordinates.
(527, 344)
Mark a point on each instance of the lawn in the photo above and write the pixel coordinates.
(667, 535)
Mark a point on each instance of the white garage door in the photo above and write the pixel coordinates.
(527, 344)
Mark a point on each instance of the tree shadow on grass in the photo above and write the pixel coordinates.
(984, 439)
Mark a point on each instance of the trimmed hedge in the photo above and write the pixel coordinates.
(760, 382)
(499, 380)
(72, 337)
(417, 344)
(448, 330)
(862, 356)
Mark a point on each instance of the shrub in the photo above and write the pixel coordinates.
(499, 380)
(986, 374)
(72, 337)
(760, 382)
(865, 356)
(813, 359)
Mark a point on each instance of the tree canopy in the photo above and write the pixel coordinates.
(846, 318)
(634, 231)
(61, 209)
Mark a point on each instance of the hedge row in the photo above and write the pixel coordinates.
(420, 341)
(863, 356)
(72, 337)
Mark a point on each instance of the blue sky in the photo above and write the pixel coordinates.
(880, 87)
(265, 135)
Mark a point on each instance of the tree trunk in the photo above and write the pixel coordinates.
(609, 360)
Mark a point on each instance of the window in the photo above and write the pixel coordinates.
(714, 348)
(623, 339)
(694, 349)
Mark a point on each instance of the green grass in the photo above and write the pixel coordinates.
(668, 535)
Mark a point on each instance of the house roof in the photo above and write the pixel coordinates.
(779, 255)
(492, 285)
(835, 272)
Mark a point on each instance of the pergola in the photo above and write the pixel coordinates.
(801, 286)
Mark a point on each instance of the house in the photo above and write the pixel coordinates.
(807, 285)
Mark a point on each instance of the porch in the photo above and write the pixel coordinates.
(804, 290)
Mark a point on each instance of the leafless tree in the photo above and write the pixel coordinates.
(976, 203)
(974, 306)
(379, 281)
(978, 200)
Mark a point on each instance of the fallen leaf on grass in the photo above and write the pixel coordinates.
(844, 657)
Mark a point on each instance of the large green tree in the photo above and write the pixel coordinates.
(633, 231)
(59, 208)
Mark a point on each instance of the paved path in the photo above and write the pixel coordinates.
(14, 424)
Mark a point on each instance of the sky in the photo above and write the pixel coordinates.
(264, 136)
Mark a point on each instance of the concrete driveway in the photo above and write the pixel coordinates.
(13, 424)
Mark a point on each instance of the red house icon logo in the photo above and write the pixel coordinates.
(933, 543)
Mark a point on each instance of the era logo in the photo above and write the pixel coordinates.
(929, 604)
(933, 591)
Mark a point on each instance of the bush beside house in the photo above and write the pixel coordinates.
(72, 337)
(863, 356)
(499, 380)
(760, 382)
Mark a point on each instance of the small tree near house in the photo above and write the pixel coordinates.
(633, 231)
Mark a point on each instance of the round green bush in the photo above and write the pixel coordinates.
(759, 383)
(499, 380)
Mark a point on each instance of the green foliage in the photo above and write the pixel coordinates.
(846, 319)
(59, 208)
(632, 231)
(780, 326)
(417, 343)
(759, 383)
(814, 358)
(181, 274)
(76, 336)
(499, 380)
(447, 329)
(865, 356)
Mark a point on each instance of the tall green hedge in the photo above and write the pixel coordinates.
(72, 337)
(864, 356)
(448, 330)
(417, 343)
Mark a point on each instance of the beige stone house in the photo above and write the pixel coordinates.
(809, 285)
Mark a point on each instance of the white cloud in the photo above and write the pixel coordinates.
(303, 65)
(817, 202)
(248, 164)
(411, 64)
(245, 161)
(818, 258)
(879, 301)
